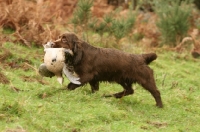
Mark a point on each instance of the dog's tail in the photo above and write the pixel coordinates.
(149, 57)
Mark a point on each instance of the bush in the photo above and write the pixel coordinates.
(82, 14)
(29, 22)
(197, 3)
(111, 23)
(173, 20)
(119, 27)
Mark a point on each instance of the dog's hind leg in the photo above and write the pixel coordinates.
(94, 86)
(151, 87)
(127, 90)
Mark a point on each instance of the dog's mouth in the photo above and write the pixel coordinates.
(53, 45)
(56, 44)
(49, 45)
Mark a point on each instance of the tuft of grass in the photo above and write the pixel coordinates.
(14, 109)
(46, 107)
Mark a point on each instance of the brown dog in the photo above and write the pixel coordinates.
(94, 64)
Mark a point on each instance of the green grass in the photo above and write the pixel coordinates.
(45, 107)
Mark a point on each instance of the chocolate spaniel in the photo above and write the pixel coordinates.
(94, 65)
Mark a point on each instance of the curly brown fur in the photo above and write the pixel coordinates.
(94, 64)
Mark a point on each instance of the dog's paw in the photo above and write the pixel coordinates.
(72, 86)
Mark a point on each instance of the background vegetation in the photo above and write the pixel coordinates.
(31, 103)
(173, 20)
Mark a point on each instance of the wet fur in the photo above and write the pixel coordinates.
(94, 65)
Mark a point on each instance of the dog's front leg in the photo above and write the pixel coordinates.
(94, 86)
(83, 80)
(72, 86)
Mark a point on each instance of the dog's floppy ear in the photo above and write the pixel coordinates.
(78, 53)
(75, 45)
(72, 42)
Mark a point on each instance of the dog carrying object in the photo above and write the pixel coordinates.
(54, 63)
(54, 60)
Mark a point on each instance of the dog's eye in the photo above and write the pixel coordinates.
(64, 39)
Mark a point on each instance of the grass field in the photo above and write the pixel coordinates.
(30, 103)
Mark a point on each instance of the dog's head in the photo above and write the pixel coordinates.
(70, 41)
(66, 40)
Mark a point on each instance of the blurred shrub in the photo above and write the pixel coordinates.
(197, 3)
(31, 22)
(122, 26)
(197, 23)
(114, 25)
(138, 36)
(173, 20)
(81, 17)
(82, 14)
